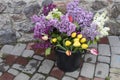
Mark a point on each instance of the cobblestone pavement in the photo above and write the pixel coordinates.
(22, 63)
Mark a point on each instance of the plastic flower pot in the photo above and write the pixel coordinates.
(68, 63)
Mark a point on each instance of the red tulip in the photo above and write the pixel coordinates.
(70, 18)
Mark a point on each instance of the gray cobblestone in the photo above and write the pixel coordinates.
(28, 53)
(115, 50)
(90, 58)
(104, 50)
(102, 70)
(31, 66)
(67, 78)
(51, 78)
(3, 67)
(115, 70)
(88, 70)
(13, 72)
(22, 76)
(18, 50)
(114, 76)
(18, 66)
(38, 76)
(38, 57)
(46, 66)
(7, 49)
(115, 61)
(104, 59)
(114, 40)
(74, 74)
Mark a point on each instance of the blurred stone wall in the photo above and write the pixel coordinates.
(15, 23)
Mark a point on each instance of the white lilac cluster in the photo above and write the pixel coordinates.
(100, 19)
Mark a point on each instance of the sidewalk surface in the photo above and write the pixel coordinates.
(23, 63)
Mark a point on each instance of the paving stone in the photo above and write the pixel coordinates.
(22, 76)
(67, 78)
(74, 74)
(98, 79)
(51, 78)
(10, 59)
(28, 53)
(83, 78)
(3, 67)
(104, 50)
(18, 66)
(46, 66)
(13, 72)
(38, 57)
(114, 76)
(102, 70)
(18, 50)
(115, 61)
(21, 60)
(31, 66)
(88, 70)
(38, 76)
(104, 59)
(115, 50)
(6, 76)
(56, 72)
(114, 40)
(90, 58)
(7, 49)
(1, 73)
(115, 70)
(29, 46)
(103, 40)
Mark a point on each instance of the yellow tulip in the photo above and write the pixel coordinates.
(76, 40)
(76, 44)
(73, 34)
(54, 40)
(67, 43)
(84, 46)
(79, 36)
(83, 40)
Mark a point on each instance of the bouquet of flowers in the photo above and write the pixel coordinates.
(73, 31)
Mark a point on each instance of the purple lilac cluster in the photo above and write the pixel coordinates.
(90, 32)
(48, 8)
(65, 26)
(42, 26)
(81, 16)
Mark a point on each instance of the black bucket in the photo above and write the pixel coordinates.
(68, 63)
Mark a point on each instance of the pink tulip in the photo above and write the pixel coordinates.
(94, 51)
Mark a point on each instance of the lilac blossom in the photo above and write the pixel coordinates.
(48, 8)
(42, 26)
(81, 16)
(65, 25)
(90, 32)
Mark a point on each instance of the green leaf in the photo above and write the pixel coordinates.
(59, 38)
(47, 51)
(61, 47)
